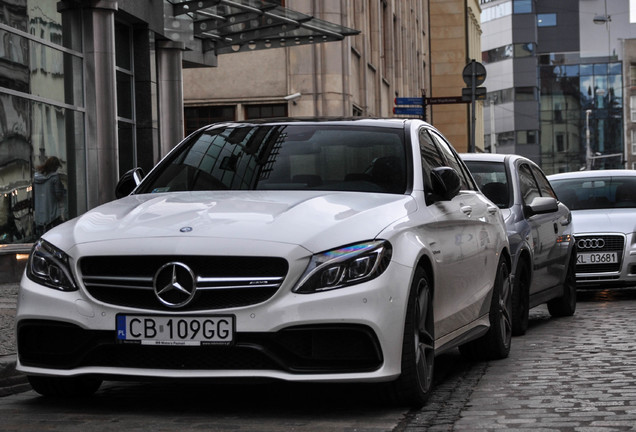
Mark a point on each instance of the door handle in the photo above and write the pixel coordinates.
(556, 228)
(492, 209)
(467, 210)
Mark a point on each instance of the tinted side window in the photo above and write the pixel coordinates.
(529, 188)
(453, 161)
(544, 184)
(429, 150)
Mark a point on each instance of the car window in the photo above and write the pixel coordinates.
(544, 184)
(429, 151)
(453, 161)
(286, 157)
(492, 179)
(596, 193)
(527, 184)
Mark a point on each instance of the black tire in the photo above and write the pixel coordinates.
(566, 304)
(521, 299)
(414, 384)
(495, 344)
(71, 387)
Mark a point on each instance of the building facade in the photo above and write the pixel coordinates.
(94, 88)
(557, 74)
(406, 48)
(455, 40)
(359, 76)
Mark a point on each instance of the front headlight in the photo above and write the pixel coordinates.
(49, 266)
(345, 266)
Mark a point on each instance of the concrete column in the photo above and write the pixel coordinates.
(170, 83)
(98, 35)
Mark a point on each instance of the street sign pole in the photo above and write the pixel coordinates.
(473, 116)
(424, 104)
(474, 75)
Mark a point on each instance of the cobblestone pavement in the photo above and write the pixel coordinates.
(8, 300)
(573, 374)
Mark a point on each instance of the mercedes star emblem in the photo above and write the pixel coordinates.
(174, 284)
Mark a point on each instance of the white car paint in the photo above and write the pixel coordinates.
(463, 238)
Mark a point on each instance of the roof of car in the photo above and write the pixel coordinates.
(492, 157)
(350, 121)
(593, 173)
(489, 157)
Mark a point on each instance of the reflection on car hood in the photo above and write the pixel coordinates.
(305, 218)
(604, 220)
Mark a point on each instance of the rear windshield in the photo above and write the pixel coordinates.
(596, 193)
(286, 157)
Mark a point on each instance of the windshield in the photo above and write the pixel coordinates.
(596, 193)
(285, 157)
(492, 181)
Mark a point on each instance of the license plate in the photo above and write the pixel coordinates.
(177, 331)
(596, 258)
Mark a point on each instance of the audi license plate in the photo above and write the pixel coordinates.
(179, 331)
(596, 258)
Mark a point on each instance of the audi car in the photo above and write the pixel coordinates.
(315, 250)
(539, 230)
(603, 205)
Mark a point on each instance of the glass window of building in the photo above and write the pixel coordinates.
(632, 104)
(633, 142)
(265, 111)
(197, 117)
(600, 69)
(615, 68)
(560, 142)
(41, 122)
(632, 75)
(522, 6)
(125, 97)
(526, 137)
(524, 49)
(525, 93)
(546, 20)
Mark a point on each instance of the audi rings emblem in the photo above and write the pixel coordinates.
(175, 284)
(595, 243)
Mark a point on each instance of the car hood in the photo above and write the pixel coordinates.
(604, 220)
(315, 220)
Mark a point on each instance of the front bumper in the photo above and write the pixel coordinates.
(622, 273)
(349, 334)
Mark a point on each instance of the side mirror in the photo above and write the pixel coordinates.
(541, 205)
(128, 182)
(446, 183)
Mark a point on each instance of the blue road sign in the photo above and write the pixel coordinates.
(408, 101)
(408, 110)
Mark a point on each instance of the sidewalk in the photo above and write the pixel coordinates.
(10, 381)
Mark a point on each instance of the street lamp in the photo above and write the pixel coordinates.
(605, 19)
(588, 150)
(602, 19)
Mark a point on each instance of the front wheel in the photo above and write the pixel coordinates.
(495, 344)
(418, 354)
(566, 304)
(521, 299)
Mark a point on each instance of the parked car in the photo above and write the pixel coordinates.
(603, 207)
(539, 230)
(350, 250)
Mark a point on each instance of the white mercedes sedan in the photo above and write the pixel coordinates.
(326, 250)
